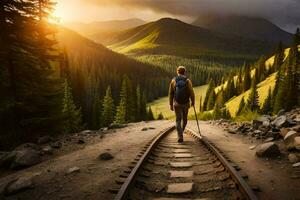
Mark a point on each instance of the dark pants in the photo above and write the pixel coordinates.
(181, 112)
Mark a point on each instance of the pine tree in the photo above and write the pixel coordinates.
(210, 88)
(297, 37)
(253, 99)
(138, 103)
(247, 78)
(150, 114)
(144, 107)
(71, 114)
(217, 113)
(200, 105)
(279, 57)
(241, 107)
(267, 106)
(31, 95)
(121, 113)
(160, 116)
(108, 106)
(211, 100)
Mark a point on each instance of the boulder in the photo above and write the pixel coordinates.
(114, 126)
(293, 158)
(296, 128)
(25, 158)
(56, 145)
(284, 131)
(296, 164)
(233, 131)
(281, 112)
(105, 156)
(20, 184)
(289, 139)
(27, 146)
(45, 139)
(280, 121)
(80, 141)
(144, 129)
(269, 149)
(47, 150)
(87, 132)
(297, 143)
(257, 123)
(73, 170)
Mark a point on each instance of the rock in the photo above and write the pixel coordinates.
(25, 158)
(152, 128)
(291, 122)
(105, 156)
(114, 126)
(233, 131)
(269, 149)
(56, 145)
(144, 129)
(280, 121)
(80, 141)
(257, 132)
(269, 139)
(87, 132)
(281, 112)
(296, 128)
(297, 143)
(252, 147)
(284, 131)
(289, 139)
(18, 185)
(45, 139)
(47, 150)
(296, 164)
(27, 146)
(73, 170)
(256, 123)
(293, 158)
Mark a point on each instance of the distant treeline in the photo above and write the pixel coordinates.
(199, 70)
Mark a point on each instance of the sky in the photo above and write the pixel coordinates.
(284, 13)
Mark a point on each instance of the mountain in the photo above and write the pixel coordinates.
(174, 37)
(90, 60)
(248, 27)
(104, 26)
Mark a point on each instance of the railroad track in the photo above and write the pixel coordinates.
(195, 169)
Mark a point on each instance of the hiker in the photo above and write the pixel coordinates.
(180, 93)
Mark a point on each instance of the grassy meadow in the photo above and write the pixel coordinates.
(161, 105)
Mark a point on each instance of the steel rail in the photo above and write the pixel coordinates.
(123, 192)
(241, 184)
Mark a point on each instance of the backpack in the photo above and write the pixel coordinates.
(181, 90)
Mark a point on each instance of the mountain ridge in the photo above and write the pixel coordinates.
(250, 27)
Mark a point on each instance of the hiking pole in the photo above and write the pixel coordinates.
(197, 121)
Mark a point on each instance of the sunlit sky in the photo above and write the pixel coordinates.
(81, 11)
(284, 13)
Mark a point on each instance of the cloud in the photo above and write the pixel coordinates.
(283, 12)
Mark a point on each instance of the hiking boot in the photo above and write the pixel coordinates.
(180, 140)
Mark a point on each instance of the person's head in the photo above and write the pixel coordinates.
(181, 70)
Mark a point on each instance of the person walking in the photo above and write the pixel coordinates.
(181, 95)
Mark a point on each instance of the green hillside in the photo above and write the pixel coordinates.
(233, 104)
(161, 105)
(263, 87)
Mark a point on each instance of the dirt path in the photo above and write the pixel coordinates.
(95, 176)
(275, 178)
